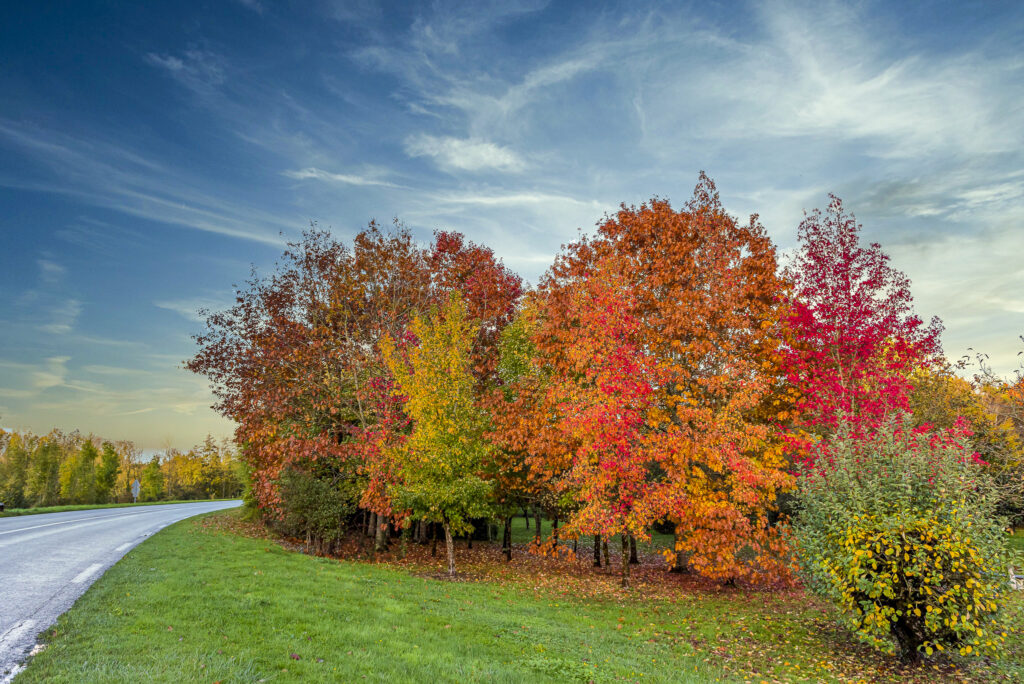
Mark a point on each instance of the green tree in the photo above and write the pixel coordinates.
(440, 462)
(78, 475)
(106, 473)
(152, 482)
(14, 468)
(43, 485)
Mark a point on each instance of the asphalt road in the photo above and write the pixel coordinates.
(47, 561)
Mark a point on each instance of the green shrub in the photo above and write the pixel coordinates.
(899, 531)
(315, 507)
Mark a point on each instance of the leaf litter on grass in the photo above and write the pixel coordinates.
(776, 634)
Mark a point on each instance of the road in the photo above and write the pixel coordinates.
(47, 561)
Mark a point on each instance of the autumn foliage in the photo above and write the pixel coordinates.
(855, 339)
(666, 372)
(661, 334)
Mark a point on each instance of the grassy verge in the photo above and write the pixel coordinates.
(13, 512)
(198, 602)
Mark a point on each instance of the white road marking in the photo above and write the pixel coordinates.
(86, 574)
(124, 546)
(12, 635)
(65, 522)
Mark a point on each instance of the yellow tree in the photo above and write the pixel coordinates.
(440, 462)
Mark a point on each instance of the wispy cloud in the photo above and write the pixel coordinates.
(135, 412)
(463, 154)
(190, 308)
(343, 178)
(62, 317)
(254, 5)
(516, 199)
(50, 272)
(119, 371)
(53, 374)
(195, 69)
(105, 174)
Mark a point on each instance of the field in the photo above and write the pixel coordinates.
(214, 599)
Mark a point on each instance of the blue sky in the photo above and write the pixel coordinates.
(151, 152)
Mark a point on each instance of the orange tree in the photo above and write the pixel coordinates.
(532, 450)
(703, 292)
(616, 474)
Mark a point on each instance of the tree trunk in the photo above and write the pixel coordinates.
(506, 539)
(536, 521)
(597, 550)
(526, 517)
(633, 560)
(625, 560)
(433, 540)
(371, 524)
(680, 564)
(450, 545)
(380, 544)
(469, 540)
(554, 529)
(907, 640)
(604, 548)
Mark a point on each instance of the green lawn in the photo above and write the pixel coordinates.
(523, 535)
(12, 512)
(1017, 541)
(197, 602)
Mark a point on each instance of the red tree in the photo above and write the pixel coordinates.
(854, 339)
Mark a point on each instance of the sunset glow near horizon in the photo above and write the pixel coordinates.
(152, 155)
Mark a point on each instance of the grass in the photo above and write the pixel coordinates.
(523, 535)
(14, 512)
(202, 602)
(1017, 541)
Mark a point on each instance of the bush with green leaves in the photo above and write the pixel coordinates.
(898, 530)
(315, 506)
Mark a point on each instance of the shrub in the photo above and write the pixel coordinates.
(898, 530)
(315, 507)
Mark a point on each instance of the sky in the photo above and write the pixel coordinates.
(152, 153)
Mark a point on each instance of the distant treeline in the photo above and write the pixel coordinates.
(59, 468)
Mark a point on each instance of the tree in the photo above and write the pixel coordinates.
(106, 473)
(1003, 402)
(297, 362)
(151, 486)
(704, 291)
(440, 463)
(532, 450)
(43, 485)
(855, 341)
(898, 529)
(615, 475)
(78, 475)
(15, 460)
